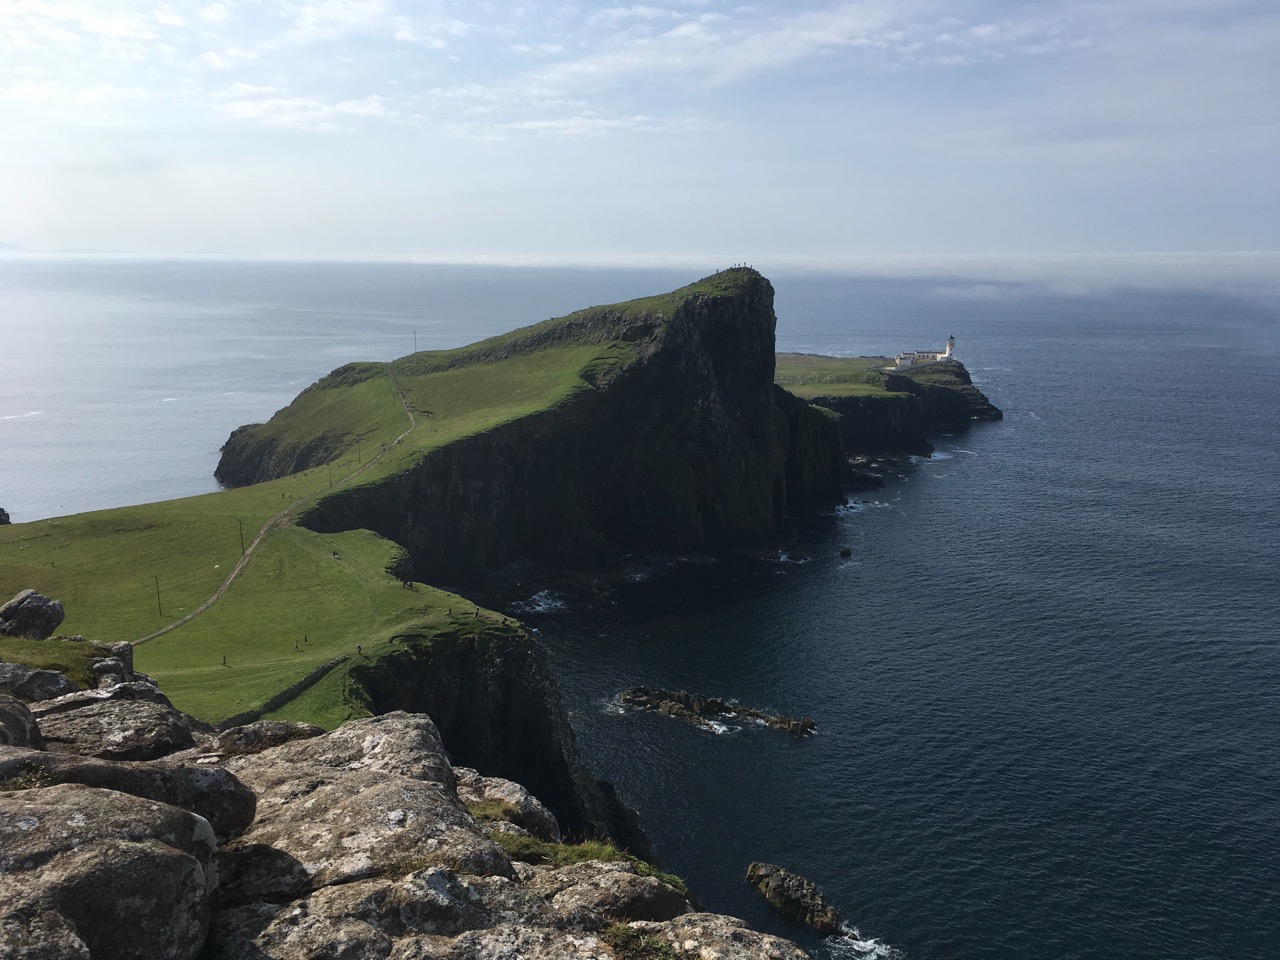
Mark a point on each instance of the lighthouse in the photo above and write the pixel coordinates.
(951, 348)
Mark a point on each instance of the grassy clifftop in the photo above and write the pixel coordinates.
(306, 598)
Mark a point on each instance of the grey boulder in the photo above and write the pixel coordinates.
(88, 872)
(31, 615)
(32, 684)
(209, 792)
(17, 725)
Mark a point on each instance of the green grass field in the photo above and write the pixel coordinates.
(809, 375)
(303, 598)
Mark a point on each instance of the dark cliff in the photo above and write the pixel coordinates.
(683, 446)
(907, 406)
(498, 709)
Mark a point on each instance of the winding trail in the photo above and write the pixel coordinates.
(285, 515)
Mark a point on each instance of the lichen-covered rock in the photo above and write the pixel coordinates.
(32, 615)
(262, 735)
(425, 907)
(517, 940)
(76, 699)
(523, 808)
(712, 936)
(17, 725)
(589, 895)
(794, 897)
(103, 873)
(374, 798)
(32, 684)
(117, 729)
(211, 793)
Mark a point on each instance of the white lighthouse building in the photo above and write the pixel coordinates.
(914, 358)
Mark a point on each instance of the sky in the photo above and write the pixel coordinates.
(697, 129)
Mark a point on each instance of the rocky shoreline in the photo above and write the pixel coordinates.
(129, 829)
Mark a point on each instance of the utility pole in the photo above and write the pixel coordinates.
(415, 341)
(158, 609)
(241, 522)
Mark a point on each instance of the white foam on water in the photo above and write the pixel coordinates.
(23, 416)
(784, 557)
(850, 943)
(720, 729)
(544, 601)
(940, 455)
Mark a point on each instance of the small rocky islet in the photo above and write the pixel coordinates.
(435, 827)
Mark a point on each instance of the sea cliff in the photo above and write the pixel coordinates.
(680, 442)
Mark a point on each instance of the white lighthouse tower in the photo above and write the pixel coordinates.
(951, 348)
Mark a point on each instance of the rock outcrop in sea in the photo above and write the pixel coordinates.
(280, 840)
(794, 897)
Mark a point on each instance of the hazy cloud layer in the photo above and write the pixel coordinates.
(383, 128)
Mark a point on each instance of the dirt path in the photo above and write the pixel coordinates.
(285, 515)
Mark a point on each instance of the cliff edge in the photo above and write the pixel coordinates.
(651, 425)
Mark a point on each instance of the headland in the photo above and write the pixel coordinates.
(360, 519)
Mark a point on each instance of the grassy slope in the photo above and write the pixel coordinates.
(104, 565)
(810, 375)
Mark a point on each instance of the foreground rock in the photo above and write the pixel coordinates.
(31, 615)
(32, 684)
(213, 794)
(698, 709)
(17, 725)
(794, 897)
(95, 873)
(374, 798)
(278, 840)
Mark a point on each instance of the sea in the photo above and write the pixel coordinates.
(1045, 677)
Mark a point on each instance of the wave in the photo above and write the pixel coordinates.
(23, 416)
(544, 601)
(850, 943)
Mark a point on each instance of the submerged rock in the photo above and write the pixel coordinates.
(794, 897)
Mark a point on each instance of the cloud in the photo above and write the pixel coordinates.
(324, 21)
(104, 93)
(306, 113)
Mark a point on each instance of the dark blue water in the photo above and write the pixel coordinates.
(1047, 681)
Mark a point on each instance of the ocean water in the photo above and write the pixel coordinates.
(1046, 682)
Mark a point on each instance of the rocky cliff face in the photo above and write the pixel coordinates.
(498, 710)
(688, 447)
(279, 840)
(939, 397)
